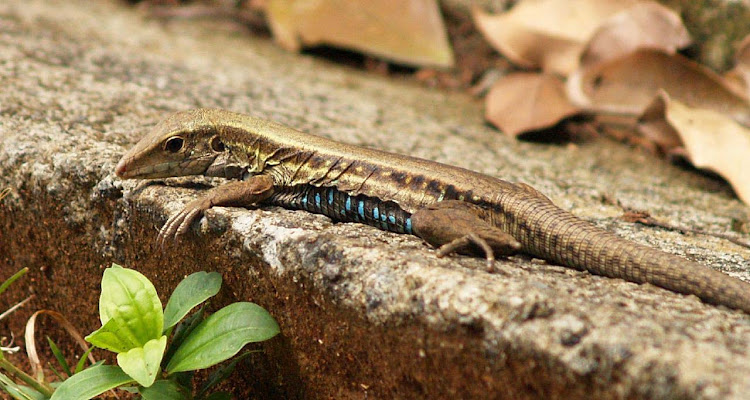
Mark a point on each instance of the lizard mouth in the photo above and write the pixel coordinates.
(126, 170)
(121, 169)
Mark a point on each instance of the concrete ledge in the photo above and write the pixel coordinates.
(362, 312)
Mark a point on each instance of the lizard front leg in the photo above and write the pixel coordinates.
(462, 227)
(234, 194)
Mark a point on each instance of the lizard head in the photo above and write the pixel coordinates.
(186, 143)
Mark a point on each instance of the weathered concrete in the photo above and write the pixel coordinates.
(363, 312)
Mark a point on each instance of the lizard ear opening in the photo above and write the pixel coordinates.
(217, 145)
(174, 144)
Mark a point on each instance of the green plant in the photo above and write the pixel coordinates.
(135, 327)
(33, 386)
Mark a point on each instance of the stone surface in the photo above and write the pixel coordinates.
(362, 312)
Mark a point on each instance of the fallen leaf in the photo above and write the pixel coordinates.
(546, 34)
(405, 31)
(523, 102)
(735, 79)
(711, 140)
(739, 76)
(644, 25)
(627, 84)
(654, 127)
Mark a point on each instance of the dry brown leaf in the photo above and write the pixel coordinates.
(523, 102)
(735, 79)
(626, 85)
(644, 25)
(549, 34)
(656, 129)
(711, 140)
(405, 31)
(36, 364)
(739, 76)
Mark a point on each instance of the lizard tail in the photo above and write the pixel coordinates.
(557, 235)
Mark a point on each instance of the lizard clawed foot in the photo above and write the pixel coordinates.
(234, 194)
(178, 224)
(464, 241)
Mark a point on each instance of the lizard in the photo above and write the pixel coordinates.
(448, 207)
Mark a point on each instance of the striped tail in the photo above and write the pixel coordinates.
(556, 235)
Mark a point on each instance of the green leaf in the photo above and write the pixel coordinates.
(163, 390)
(221, 374)
(38, 386)
(59, 356)
(181, 332)
(82, 361)
(56, 372)
(4, 286)
(222, 335)
(185, 380)
(130, 300)
(127, 293)
(91, 382)
(17, 391)
(109, 337)
(32, 394)
(193, 290)
(144, 363)
(129, 389)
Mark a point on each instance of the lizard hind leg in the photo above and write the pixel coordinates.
(457, 226)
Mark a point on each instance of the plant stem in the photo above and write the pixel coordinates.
(26, 378)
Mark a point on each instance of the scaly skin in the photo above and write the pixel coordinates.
(449, 207)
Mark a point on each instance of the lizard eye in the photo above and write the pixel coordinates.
(174, 144)
(217, 145)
